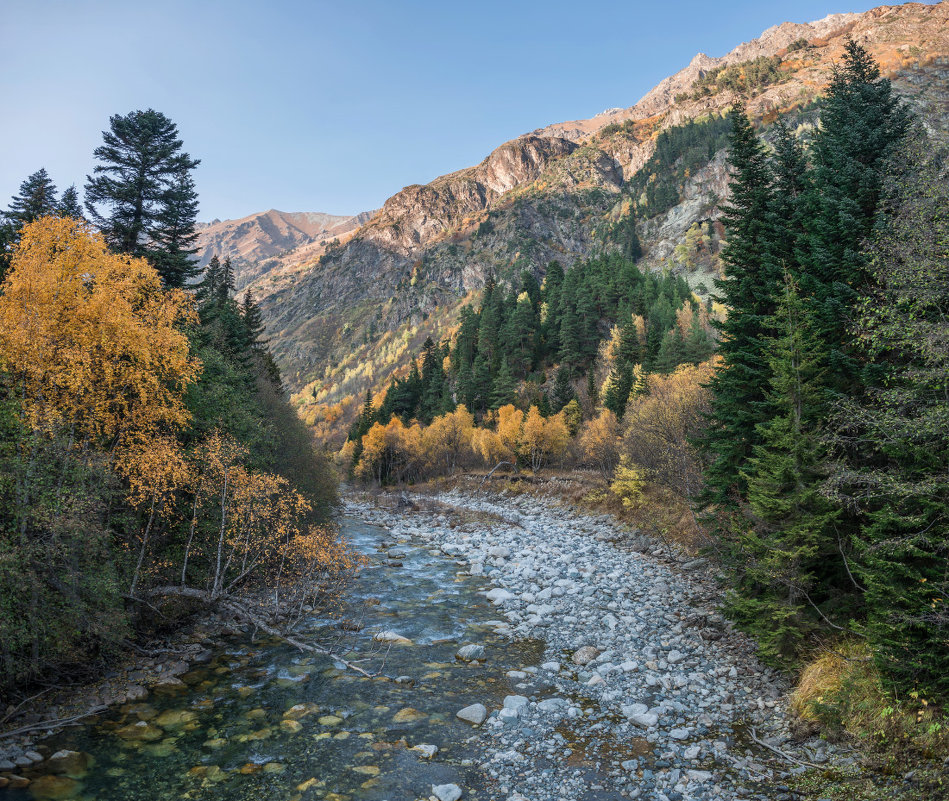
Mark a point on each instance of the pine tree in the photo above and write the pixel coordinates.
(698, 346)
(618, 389)
(671, 351)
(748, 290)
(253, 321)
(140, 194)
(225, 287)
(207, 291)
(630, 348)
(563, 391)
(550, 296)
(36, 198)
(862, 122)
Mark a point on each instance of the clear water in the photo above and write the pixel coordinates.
(227, 736)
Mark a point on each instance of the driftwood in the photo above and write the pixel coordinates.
(491, 472)
(781, 753)
(238, 609)
(52, 724)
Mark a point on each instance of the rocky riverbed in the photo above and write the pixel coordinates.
(644, 691)
(520, 651)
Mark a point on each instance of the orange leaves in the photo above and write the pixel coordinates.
(91, 337)
(598, 442)
(448, 438)
(541, 439)
(661, 423)
(155, 469)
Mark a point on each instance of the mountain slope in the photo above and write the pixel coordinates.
(350, 318)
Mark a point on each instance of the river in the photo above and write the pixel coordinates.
(264, 721)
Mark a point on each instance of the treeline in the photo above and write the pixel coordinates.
(828, 441)
(146, 448)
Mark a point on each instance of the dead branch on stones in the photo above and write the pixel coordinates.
(491, 472)
(53, 724)
(239, 610)
(781, 753)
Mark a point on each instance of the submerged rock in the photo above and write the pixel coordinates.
(468, 653)
(475, 714)
(408, 715)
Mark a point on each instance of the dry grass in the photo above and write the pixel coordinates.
(821, 679)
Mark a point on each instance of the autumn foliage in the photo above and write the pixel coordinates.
(120, 482)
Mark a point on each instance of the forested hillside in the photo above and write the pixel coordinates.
(146, 447)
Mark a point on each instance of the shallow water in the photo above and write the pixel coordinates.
(227, 736)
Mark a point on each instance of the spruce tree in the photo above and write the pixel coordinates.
(504, 388)
(748, 290)
(563, 390)
(618, 389)
(253, 321)
(780, 552)
(36, 198)
(671, 351)
(901, 486)
(69, 205)
(862, 122)
(140, 194)
(173, 237)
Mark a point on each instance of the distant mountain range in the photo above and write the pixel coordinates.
(255, 241)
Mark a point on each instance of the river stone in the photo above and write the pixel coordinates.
(499, 596)
(136, 692)
(552, 704)
(425, 750)
(446, 792)
(140, 731)
(585, 655)
(391, 636)
(175, 718)
(515, 702)
(298, 711)
(468, 653)
(408, 715)
(54, 787)
(679, 734)
(645, 719)
(72, 763)
(6, 764)
(476, 713)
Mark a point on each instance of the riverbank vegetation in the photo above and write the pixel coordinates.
(812, 447)
(146, 448)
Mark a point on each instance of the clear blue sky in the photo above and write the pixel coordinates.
(318, 106)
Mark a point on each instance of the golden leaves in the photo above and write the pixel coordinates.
(91, 337)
